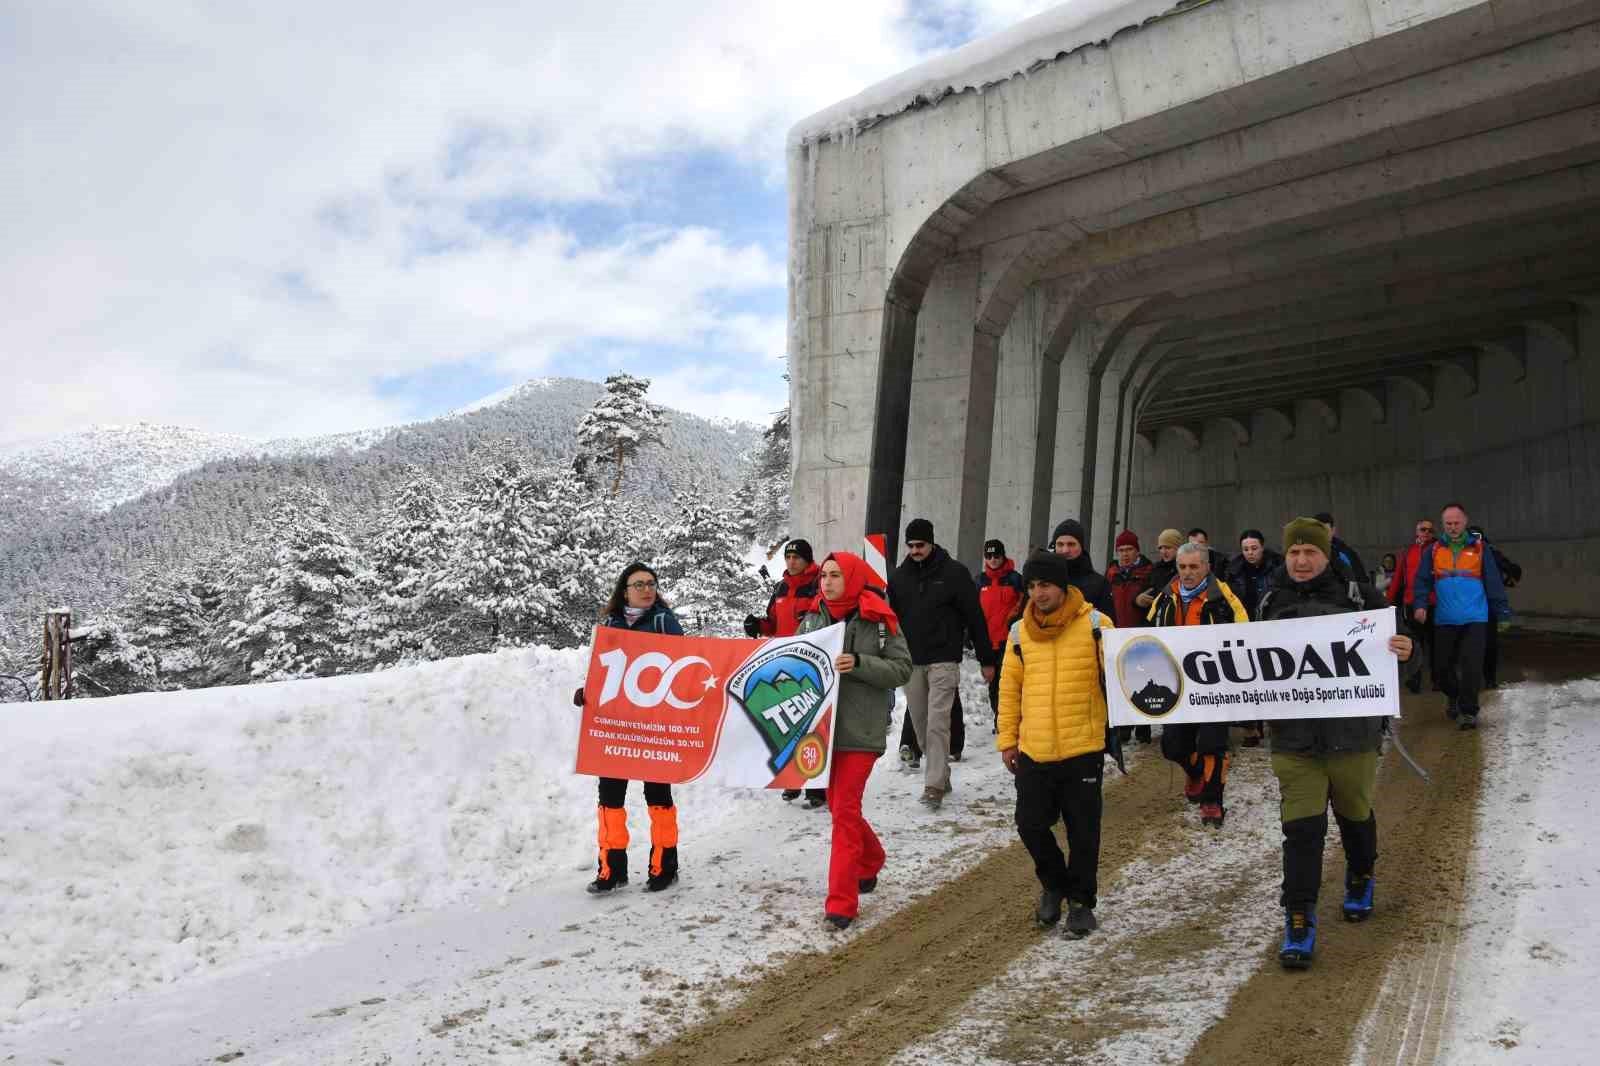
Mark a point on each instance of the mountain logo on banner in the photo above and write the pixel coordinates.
(782, 691)
(1149, 677)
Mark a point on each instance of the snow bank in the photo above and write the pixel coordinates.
(148, 838)
(996, 58)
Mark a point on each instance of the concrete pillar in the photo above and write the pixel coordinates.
(951, 412)
(1016, 427)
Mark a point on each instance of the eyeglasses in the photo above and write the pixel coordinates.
(641, 584)
(916, 545)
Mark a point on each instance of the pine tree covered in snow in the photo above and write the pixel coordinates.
(488, 592)
(109, 662)
(702, 568)
(181, 620)
(619, 424)
(295, 624)
(766, 491)
(411, 544)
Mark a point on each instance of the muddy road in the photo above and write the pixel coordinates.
(962, 975)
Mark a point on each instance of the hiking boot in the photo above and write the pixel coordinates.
(1467, 721)
(932, 799)
(1192, 787)
(790, 795)
(1358, 898)
(663, 880)
(813, 803)
(867, 884)
(612, 874)
(1080, 920)
(1299, 940)
(1451, 710)
(955, 756)
(1212, 814)
(914, 765)
(838, 921)
(1048, 912)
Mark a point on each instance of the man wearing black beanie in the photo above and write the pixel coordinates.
(792, 598)
(937, 602)
(1071, 543)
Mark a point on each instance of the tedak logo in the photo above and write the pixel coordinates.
(782, 691)
(1149, 677)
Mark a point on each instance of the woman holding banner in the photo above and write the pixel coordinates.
(636, 604)
(875, 660)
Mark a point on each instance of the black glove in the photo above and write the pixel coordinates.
(577, 698)
(752, 626)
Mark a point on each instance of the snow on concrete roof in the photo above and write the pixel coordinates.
(995, 58)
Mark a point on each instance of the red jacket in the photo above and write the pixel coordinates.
(1405, 576)
(794, 597)
(1000, 594)
(1126, 585)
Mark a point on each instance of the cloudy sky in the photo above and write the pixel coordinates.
(276, 218)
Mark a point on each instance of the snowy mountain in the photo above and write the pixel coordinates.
(128, 501)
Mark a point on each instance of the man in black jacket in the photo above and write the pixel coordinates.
(1318, 760)
(1068, 540)
(1347, 557)
(937, 603)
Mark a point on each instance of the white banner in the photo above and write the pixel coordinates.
(1334, 666)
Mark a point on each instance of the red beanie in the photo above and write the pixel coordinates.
(1128, 538)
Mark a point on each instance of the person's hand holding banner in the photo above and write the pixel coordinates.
(745, 713)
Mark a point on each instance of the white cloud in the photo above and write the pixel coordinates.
(243, 216)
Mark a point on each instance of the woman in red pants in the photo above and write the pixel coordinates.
(875, 661)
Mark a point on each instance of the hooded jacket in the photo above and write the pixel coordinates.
(1000, 594)
(883, 664)
(1405, 574)
(937, 603)
(792, 597)
(1051, 704)
(1089, 581)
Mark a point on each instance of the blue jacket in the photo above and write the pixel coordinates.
(657, 619)
(1466, 583)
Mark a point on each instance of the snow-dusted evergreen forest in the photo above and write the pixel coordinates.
(501, 525)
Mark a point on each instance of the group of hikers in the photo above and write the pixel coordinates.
(1036, 637)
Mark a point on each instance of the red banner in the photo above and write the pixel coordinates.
(752, 713)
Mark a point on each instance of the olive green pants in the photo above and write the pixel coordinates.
(1307, 782)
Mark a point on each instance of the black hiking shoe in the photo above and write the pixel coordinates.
(661, 881)
(1451, 710)
(1467, 721)
(601, 885)
(1048, 912)
(1080, 920)
(838, 921)
(814, 802)
(790, 795)
(866, 884)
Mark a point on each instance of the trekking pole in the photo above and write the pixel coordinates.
(1394, 738)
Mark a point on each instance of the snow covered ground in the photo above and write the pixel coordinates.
(388, 869)
(1527, 967)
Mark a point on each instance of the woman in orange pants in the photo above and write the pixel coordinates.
(875, 661)
(636, 603)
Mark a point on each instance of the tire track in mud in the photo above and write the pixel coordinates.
(904, 979)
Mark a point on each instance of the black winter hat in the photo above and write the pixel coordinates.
(919, 529)
(801, 548)
(1048, 567)
(994, 546)
(1070, 527)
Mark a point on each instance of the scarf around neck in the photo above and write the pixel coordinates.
(1041, 627)
(1189, 594)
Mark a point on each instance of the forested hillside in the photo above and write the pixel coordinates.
(215, 517)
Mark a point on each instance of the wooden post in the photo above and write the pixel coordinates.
(56, 680)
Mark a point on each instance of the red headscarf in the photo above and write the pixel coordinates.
(857, 597)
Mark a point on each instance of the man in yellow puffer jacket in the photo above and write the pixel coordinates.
(1053, 737)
